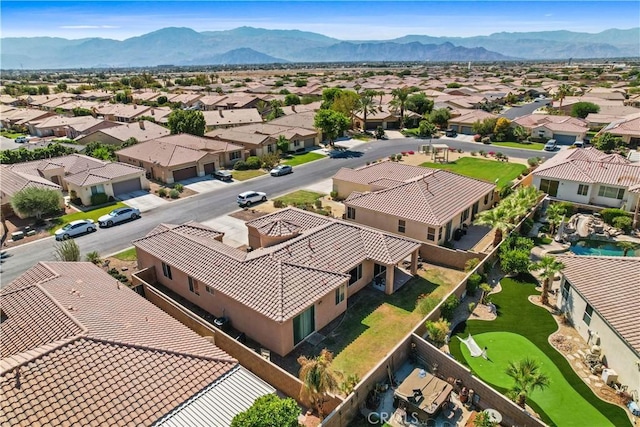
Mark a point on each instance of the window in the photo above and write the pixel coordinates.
(340, 294)
(208, 290)
(611, 192)
(588, 311)
(549, 187)
(379, 269)
(166, 270)
(235, 155)
(402, 225)
(296, 143)
(486, 199)
(439, 234)
(464, 216)
(270, 148)
(97, 189)
(583, 189)
(356, 274)
(193, 286)
(303, 325)
(431, 233)
(565, 291)
(351, 213)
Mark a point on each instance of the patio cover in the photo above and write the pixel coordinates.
(434, 391)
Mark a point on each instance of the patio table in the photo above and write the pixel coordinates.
(494, 415)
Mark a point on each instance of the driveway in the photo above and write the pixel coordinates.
(204, 184)
(142, 200)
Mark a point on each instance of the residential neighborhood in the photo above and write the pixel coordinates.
(326, 244)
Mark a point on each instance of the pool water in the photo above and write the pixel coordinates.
(596, 247)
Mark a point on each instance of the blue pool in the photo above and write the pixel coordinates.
(596, 247)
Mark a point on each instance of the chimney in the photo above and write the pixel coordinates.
(153, 112)
(135, 106)
(141, 123)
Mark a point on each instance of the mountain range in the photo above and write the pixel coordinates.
(247, 45)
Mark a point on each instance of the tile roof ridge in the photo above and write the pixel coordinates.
(161, 350)
(16, 361)
(382, 236)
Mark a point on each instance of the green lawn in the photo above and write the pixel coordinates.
(248, 174)
(94, 215)
(531, 146)
(127, 255)
(484, 169)
(533, 324)
(11, 134)
(300, 197)
(300, 159)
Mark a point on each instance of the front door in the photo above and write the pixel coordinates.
(474, 210)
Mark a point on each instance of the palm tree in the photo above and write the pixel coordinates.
(317, 378)
(549, 266)
(527, 377)
(366, 106)
(627, 246)
(400, 96)
(495, 218)
(555, 213)
(283, 144)
(563, 91)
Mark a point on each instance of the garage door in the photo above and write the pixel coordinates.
(209, 168)
(466, 130)
(126, 186)
(564, 139)
(186, 173)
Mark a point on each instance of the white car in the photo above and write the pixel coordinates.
(75, 228)
(249, 197)
(118, 215)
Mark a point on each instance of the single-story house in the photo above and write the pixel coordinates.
(68, 127)
(383, 116)
(260, 139)
(428, 207)
(590, 177)
(142, 130)
(178, 157)
(123, 113)
(78, 347)
(228, 102)
(12, 182)
(22, 116)
(627, 128)
(601, 296)
(564, 129)
(230, 118)
(297, 279)
(464, 123)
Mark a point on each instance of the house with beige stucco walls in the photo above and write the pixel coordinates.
(296, 279)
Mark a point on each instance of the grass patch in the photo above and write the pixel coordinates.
(300, 159)
(300, 197)
(127, 255)
(531, 146)
(11, 134)
(488, 170)
(93, 214)
(248, 174)
(518, 316)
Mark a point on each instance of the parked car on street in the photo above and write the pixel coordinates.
(281, 170)
(118, 215)
(21, 139)
(75, 228)
(550, 145)
(249, 197)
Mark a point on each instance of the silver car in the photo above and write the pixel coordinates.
(249, 197)
(118, 215)
(75, 228)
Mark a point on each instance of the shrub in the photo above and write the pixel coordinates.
(179, 188)
(471, 264)
(392, 157)
(99, 199)
(473, 153)
(473, 282)
(240, 165)
(117, 275)
(486, 140)
(93, 257)
(334, 195)
(67, 251)
(477, 137)
(253, 162)
(448, 306)
(482, 152)
(610, 214)
(485, 288)
(278, 204)
(623, 223)
(318, 204)
(174, 194)
(471, 307)
(533, 161)
(526, 227)
(162, 192)
(438, 330)
(398, 157)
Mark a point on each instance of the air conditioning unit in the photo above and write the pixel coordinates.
(609, 376)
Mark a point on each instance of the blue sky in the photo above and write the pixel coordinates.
(346, 20)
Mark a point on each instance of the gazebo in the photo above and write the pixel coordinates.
(423, 394)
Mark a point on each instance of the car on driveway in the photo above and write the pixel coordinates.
(281, 170)
(118, 215)
(75, 228)
(550, 145)
(21, 139)
(223, 175)
(249, 197)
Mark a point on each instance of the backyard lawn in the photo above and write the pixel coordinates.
(300, 197)
(530, 146)
(127, 255)
(523, 328)
(248, 174)
(484, 169)
(299, 159)
(93, 214)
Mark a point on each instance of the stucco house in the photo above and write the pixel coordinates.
(564, 129)
(230, 118)
(601, 296)
(420, 203)
(12, 182)
(298, 277)
(67, 127)
(178, 157)
(464, 123)
(590, 177)
(142, 130)
(627, 128)
(382, 116)
(261, 139)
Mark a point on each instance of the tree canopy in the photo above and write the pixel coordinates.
(36, 201)
(269, 411)
(331, 123)
(187, 121)
(583, 109)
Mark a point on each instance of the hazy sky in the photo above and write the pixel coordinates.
(346, 20)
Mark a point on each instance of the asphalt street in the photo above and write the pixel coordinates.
(206, 206)
(523, 110)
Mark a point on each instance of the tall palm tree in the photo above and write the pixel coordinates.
(555, 213)
(527, 377)
(366, 106)
(317, 378)
(497, 218)
(627, 246)
(549, 266)
(400, 96)
(563, 91)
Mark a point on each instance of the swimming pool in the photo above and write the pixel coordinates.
(596, 247)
